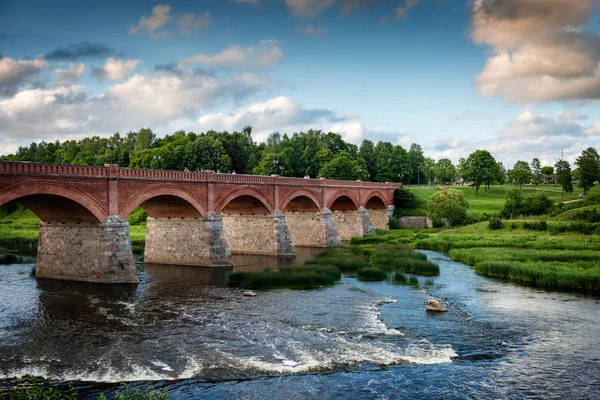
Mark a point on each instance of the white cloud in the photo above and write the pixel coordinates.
(141, 100)
(16, 74)
(531, 124)
(311, 30)
(308, 8)
(70, 75)
(151, 25)
(272, 115)
(115, 70)
(189, 23)
(541, 49)
(264, 54)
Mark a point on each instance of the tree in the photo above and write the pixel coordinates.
(479, 168)
(449, 204)
(343, 166)
(564, 176)
(548, 170)
(536, 170)
(417, 161)
(521, 173)
(367, 153)
(444, 171)
(588, 164)
(144, 139)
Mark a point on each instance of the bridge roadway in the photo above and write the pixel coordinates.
(194, 218)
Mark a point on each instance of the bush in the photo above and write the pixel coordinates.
(341, 257)
(404, 199)
(449, 205)
(495, 224)
(305, 276)
(399, 278)
(515, 204)
(371, 274)
(536, 226)
(137, 217)
(587, 215)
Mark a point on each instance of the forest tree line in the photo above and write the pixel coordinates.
(313, 153)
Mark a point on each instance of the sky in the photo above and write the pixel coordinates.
(520, 78)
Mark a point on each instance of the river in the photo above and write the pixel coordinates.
(183, 330)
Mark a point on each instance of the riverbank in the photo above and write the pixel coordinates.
(517, 252)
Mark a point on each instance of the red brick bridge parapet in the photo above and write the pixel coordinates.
(194, 218)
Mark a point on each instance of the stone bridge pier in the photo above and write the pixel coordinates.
(251, 228)
(177, 233)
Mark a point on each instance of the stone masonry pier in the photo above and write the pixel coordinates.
(194, 218)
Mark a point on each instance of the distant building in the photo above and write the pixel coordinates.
(549, 178)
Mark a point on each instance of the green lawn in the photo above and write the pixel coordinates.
(491, 201)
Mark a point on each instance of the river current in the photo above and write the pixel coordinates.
(183, 330)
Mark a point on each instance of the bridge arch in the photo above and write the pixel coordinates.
(343, 200)
(54, 202)
(165, 201)
(375, 201)
(245, 201)
(301, 200)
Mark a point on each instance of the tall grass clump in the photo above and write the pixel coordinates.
(306, 276)
(10, 259)
(341, 257)
(402, 259)
(371, 274)
(399, 278)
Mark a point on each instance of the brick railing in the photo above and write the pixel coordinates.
(157, 174)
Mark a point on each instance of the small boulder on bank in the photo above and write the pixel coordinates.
(435, 305)
(249, 293)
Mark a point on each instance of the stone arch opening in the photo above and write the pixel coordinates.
(245, 205)
(168, 206)
(375, 203)
(343, 203)
(57, 209)
(165, 202)
(301, 204)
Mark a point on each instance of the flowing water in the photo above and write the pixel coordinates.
(183, 330)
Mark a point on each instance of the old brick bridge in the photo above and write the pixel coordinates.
(194, 218)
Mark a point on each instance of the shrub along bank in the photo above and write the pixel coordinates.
(370, 262)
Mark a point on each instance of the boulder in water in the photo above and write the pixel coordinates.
(435, 305)
(249, 293)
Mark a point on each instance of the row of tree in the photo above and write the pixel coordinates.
(312, 153)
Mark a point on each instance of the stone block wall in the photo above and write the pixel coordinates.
(413, 222)
(307, 228)
(251, 234)
(86, 252)
(188, 241)
(379, 219)
(349, 223)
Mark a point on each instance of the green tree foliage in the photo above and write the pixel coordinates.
(564, 176)
(536, 170)
(480, 168)
(521, 173)
(343, 166)
(548, 170)
(417, 162)
(367, 153)
(449, 204)
(444, 171)
(588, 164)
(516, 204)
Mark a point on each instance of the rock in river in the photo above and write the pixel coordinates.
(249, 293)
(435, 305)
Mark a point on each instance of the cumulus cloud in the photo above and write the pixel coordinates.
(531, 124)
(308, 8)
(542, 50)
(70, 75)
(115, 70)
(264, 54)
(151, 25)
(16, 74)
(189, 22)
(78, 51)
(311, 30)
(272, 115)
(63, 111)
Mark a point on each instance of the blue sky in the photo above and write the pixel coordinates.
(520, 78)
